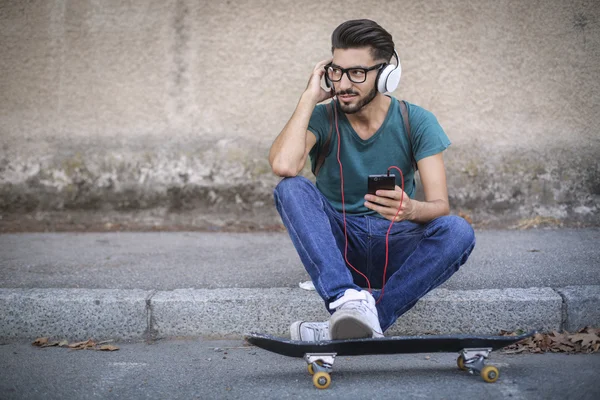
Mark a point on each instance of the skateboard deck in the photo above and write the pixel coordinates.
(473, 350)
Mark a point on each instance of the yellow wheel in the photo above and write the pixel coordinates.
(321, 380)
(460, 361)
(490, 374)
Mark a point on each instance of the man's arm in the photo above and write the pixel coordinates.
(433, 178)
(291, 147)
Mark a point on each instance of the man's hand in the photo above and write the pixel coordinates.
(386, 203)
(313, 89)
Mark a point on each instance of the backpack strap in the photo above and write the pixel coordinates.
(404, 112)
(325, 149)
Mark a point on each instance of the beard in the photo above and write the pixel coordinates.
(354, 108)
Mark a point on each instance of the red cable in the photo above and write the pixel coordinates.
(387, 235)
(344, 214)
(343, 201)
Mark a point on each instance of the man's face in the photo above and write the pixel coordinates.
(354, 96)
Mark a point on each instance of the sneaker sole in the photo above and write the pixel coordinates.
(348, 326)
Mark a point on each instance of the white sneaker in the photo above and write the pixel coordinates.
(310, 331)
(355, 316)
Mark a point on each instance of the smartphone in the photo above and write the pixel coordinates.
(381, 182)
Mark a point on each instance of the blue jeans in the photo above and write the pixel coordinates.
(421, 256)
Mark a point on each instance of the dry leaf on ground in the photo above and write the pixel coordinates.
(40, 341)
(466, 216)
(45, 342)
(89, 344)
(82, 345)
(107, 347)
(538, 221)
(587, 340)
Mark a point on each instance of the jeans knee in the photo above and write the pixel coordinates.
(462, 232)
(459, 231)
(290, 186)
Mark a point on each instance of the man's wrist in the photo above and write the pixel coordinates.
(425, 211)
(415, 211)
(307, 99)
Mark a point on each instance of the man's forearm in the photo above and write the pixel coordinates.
(287, 153)
(425, 211)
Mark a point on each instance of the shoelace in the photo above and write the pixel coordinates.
(319, 331)
(360, 305)
(351, 297)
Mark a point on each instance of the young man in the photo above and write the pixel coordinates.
(337, 228)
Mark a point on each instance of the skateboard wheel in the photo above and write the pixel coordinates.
(321, 380)
(490, 374)
(460, 362)
(310, 369)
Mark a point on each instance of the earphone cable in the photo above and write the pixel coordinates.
(344, 214)
(343, 200)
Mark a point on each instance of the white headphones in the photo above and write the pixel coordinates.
(388, 78)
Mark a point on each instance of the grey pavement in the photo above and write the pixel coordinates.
(132, 285)
(167, 261)
(201, 369)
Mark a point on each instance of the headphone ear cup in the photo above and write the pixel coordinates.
(393, 79)
(328, 84)
(388, 79)
(382, 79)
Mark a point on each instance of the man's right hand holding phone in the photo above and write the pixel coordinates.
(387, 202)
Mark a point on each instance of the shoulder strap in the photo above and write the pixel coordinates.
(404, 112)
(325, 149)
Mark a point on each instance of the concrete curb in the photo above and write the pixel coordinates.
(139, 314)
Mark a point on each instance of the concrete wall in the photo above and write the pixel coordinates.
(162, 112)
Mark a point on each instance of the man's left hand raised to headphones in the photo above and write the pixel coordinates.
(314, 87)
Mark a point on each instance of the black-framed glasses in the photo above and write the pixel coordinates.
(355, 74)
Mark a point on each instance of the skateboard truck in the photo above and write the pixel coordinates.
(473, 360)
(320, 366)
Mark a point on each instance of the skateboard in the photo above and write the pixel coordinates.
(472, 351)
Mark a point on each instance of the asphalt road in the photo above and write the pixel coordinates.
(197, 369)
(165, 261)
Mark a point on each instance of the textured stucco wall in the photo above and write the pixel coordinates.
(172, 105)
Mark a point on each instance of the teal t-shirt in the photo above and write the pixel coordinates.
(360, 158)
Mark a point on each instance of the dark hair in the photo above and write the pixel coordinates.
(363, 33)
